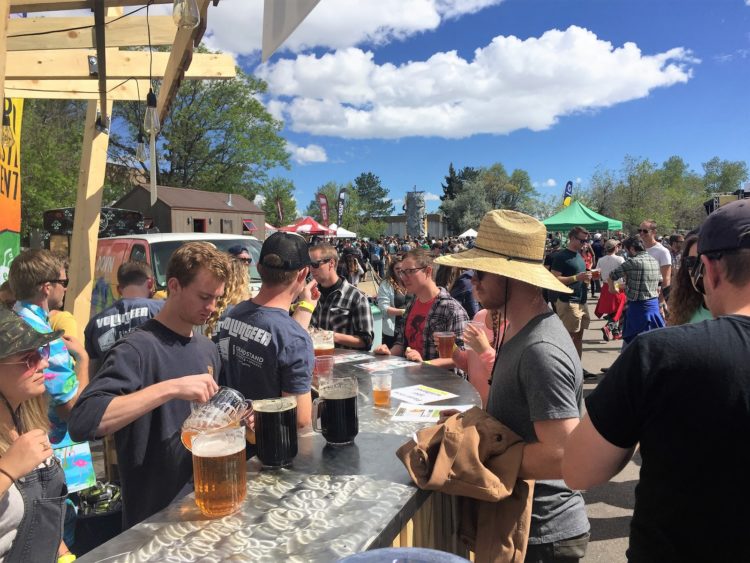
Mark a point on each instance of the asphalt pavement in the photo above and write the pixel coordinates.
(609, 506)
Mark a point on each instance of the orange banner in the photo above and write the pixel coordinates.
(10, 168)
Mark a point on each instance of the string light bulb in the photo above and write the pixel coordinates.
(151, 119)
(8, 138)
(185, 14)
(140, 148)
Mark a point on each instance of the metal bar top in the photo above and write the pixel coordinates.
(332, 502)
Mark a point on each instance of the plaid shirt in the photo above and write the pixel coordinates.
(345, 310)
(446, 314)
(60, 379)
(642, 275)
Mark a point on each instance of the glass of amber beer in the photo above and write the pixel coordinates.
(381, 388)
(219, 471)
(445, 342)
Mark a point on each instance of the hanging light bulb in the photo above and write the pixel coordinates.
(140, 148)
(154, 166)
(151, 119)
(185, 14)
(8, 138)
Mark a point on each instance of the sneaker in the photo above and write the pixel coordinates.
(588, 375)
(606, 333)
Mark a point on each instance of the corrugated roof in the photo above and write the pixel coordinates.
(184, 198)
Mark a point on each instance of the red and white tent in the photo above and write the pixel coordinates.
(307, 226)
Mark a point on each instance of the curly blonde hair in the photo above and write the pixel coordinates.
(236, 290)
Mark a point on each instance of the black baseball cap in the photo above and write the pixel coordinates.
(727, 228)
(290, 247)
(16, 335)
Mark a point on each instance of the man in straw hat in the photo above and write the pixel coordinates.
(536, 387)
(683, 393)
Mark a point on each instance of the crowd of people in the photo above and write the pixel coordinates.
(515, 299)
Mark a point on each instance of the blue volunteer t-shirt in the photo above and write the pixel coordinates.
(119, 320)
(264, 352)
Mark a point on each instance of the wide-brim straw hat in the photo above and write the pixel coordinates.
(509, 244)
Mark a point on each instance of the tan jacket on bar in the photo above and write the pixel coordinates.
(474, 456)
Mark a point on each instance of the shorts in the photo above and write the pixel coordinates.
(574, 316)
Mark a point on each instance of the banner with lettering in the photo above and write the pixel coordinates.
(568, 194)
(323, 202)
(10, 186)
(341, 202)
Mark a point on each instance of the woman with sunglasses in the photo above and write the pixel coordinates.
(32, 483)
(686, 304)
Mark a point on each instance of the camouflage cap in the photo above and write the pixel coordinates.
(17, 336)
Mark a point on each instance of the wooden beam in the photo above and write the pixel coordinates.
(101, 54)
(126, 32)
(4, 7)
(75, 89)
(86, 221)
(73, 64)
(179, 61)
(20, 6)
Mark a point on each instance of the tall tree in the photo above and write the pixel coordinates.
(372, 196)
(51, 137)
(218, 136)
(279, 190)
(452, 184)
(723, 176)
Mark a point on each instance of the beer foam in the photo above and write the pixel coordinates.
(275, 405)
(219, 444)
(336, 393)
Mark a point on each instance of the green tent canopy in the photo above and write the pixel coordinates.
(577, 214)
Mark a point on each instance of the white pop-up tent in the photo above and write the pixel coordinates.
(341, 232)
(468, 233)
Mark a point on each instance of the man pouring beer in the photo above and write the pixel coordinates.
(142, 391)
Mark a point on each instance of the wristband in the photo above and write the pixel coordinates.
(306, 306)
(67, 558)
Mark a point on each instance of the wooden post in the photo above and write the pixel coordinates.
(86, 222)
(5, 14)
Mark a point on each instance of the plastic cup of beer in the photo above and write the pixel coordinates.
(596, 274)
(445, 342)
(322, 342)
(323, 366)
(219, 471)
(381, 388)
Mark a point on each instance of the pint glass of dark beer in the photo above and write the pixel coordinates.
(335, 410)
(219, 470)
(276, 431)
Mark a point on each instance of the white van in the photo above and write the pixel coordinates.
(156, 250)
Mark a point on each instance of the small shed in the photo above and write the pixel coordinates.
(182, 210)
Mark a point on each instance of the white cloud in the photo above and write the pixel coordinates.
(509, 84)
(236, 25)
(550, 183)
(259, 200)
(428, 196)
(308, 154)
(579, 180)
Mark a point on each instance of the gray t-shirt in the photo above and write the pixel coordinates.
(538, 376)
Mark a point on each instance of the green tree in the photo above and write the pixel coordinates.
(452, 184)
(217, 136)
(372, 196)
(279, 190)
(723, 176)
(51, 138)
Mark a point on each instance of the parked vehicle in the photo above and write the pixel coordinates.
(156, 250)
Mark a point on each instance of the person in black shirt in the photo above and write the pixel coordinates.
(683, 394)
(143, 390)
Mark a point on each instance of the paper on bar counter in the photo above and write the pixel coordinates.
(388, 364)
(420, 394)
(420, 413)
(343, 359)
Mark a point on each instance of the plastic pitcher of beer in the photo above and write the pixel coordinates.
(219, 470)
(334, 412)
(225, 408)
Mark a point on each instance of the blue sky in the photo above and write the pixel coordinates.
(401, 88)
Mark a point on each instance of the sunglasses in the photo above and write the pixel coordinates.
(245, 260)
(696, 275)
(644, 231)
(32, 359)
(583, 239)
(318, 263)
(63, 283)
